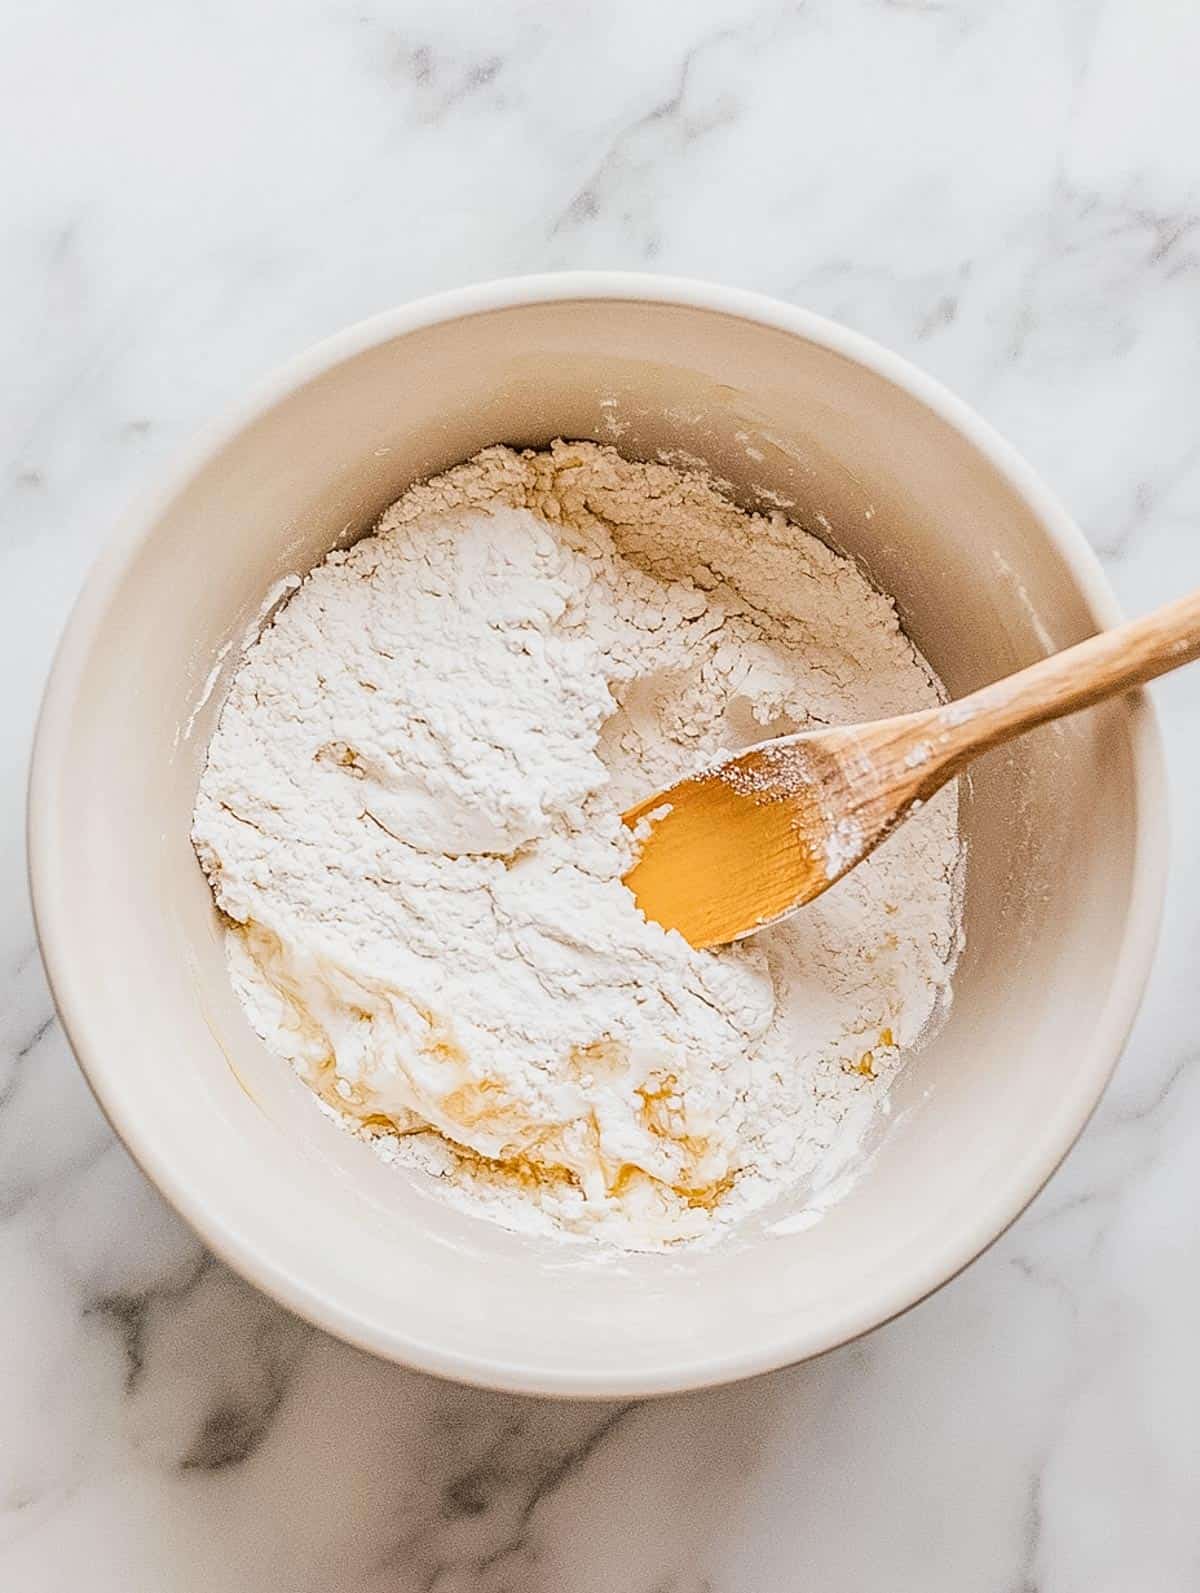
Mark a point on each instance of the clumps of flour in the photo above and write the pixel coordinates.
(410, 815)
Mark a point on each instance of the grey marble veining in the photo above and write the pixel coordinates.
(1008, 192)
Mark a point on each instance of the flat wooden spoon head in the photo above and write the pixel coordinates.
(758, 835)
(763, 832)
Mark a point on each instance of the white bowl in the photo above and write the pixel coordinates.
(1066, 829)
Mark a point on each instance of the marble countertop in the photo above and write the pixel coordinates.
(1008, 191)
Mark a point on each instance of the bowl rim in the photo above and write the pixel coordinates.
(1049, 1141)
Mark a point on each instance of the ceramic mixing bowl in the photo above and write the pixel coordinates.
(1065, 829)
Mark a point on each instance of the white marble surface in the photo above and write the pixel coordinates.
(1006, 190)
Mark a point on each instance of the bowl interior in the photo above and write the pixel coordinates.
(984, 1110)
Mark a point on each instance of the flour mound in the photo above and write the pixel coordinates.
(411, 810)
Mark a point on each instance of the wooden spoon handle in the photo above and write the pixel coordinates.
(1104, 665)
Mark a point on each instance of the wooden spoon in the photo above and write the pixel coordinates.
(762, 832)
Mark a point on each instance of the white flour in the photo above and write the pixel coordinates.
(411, 815)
